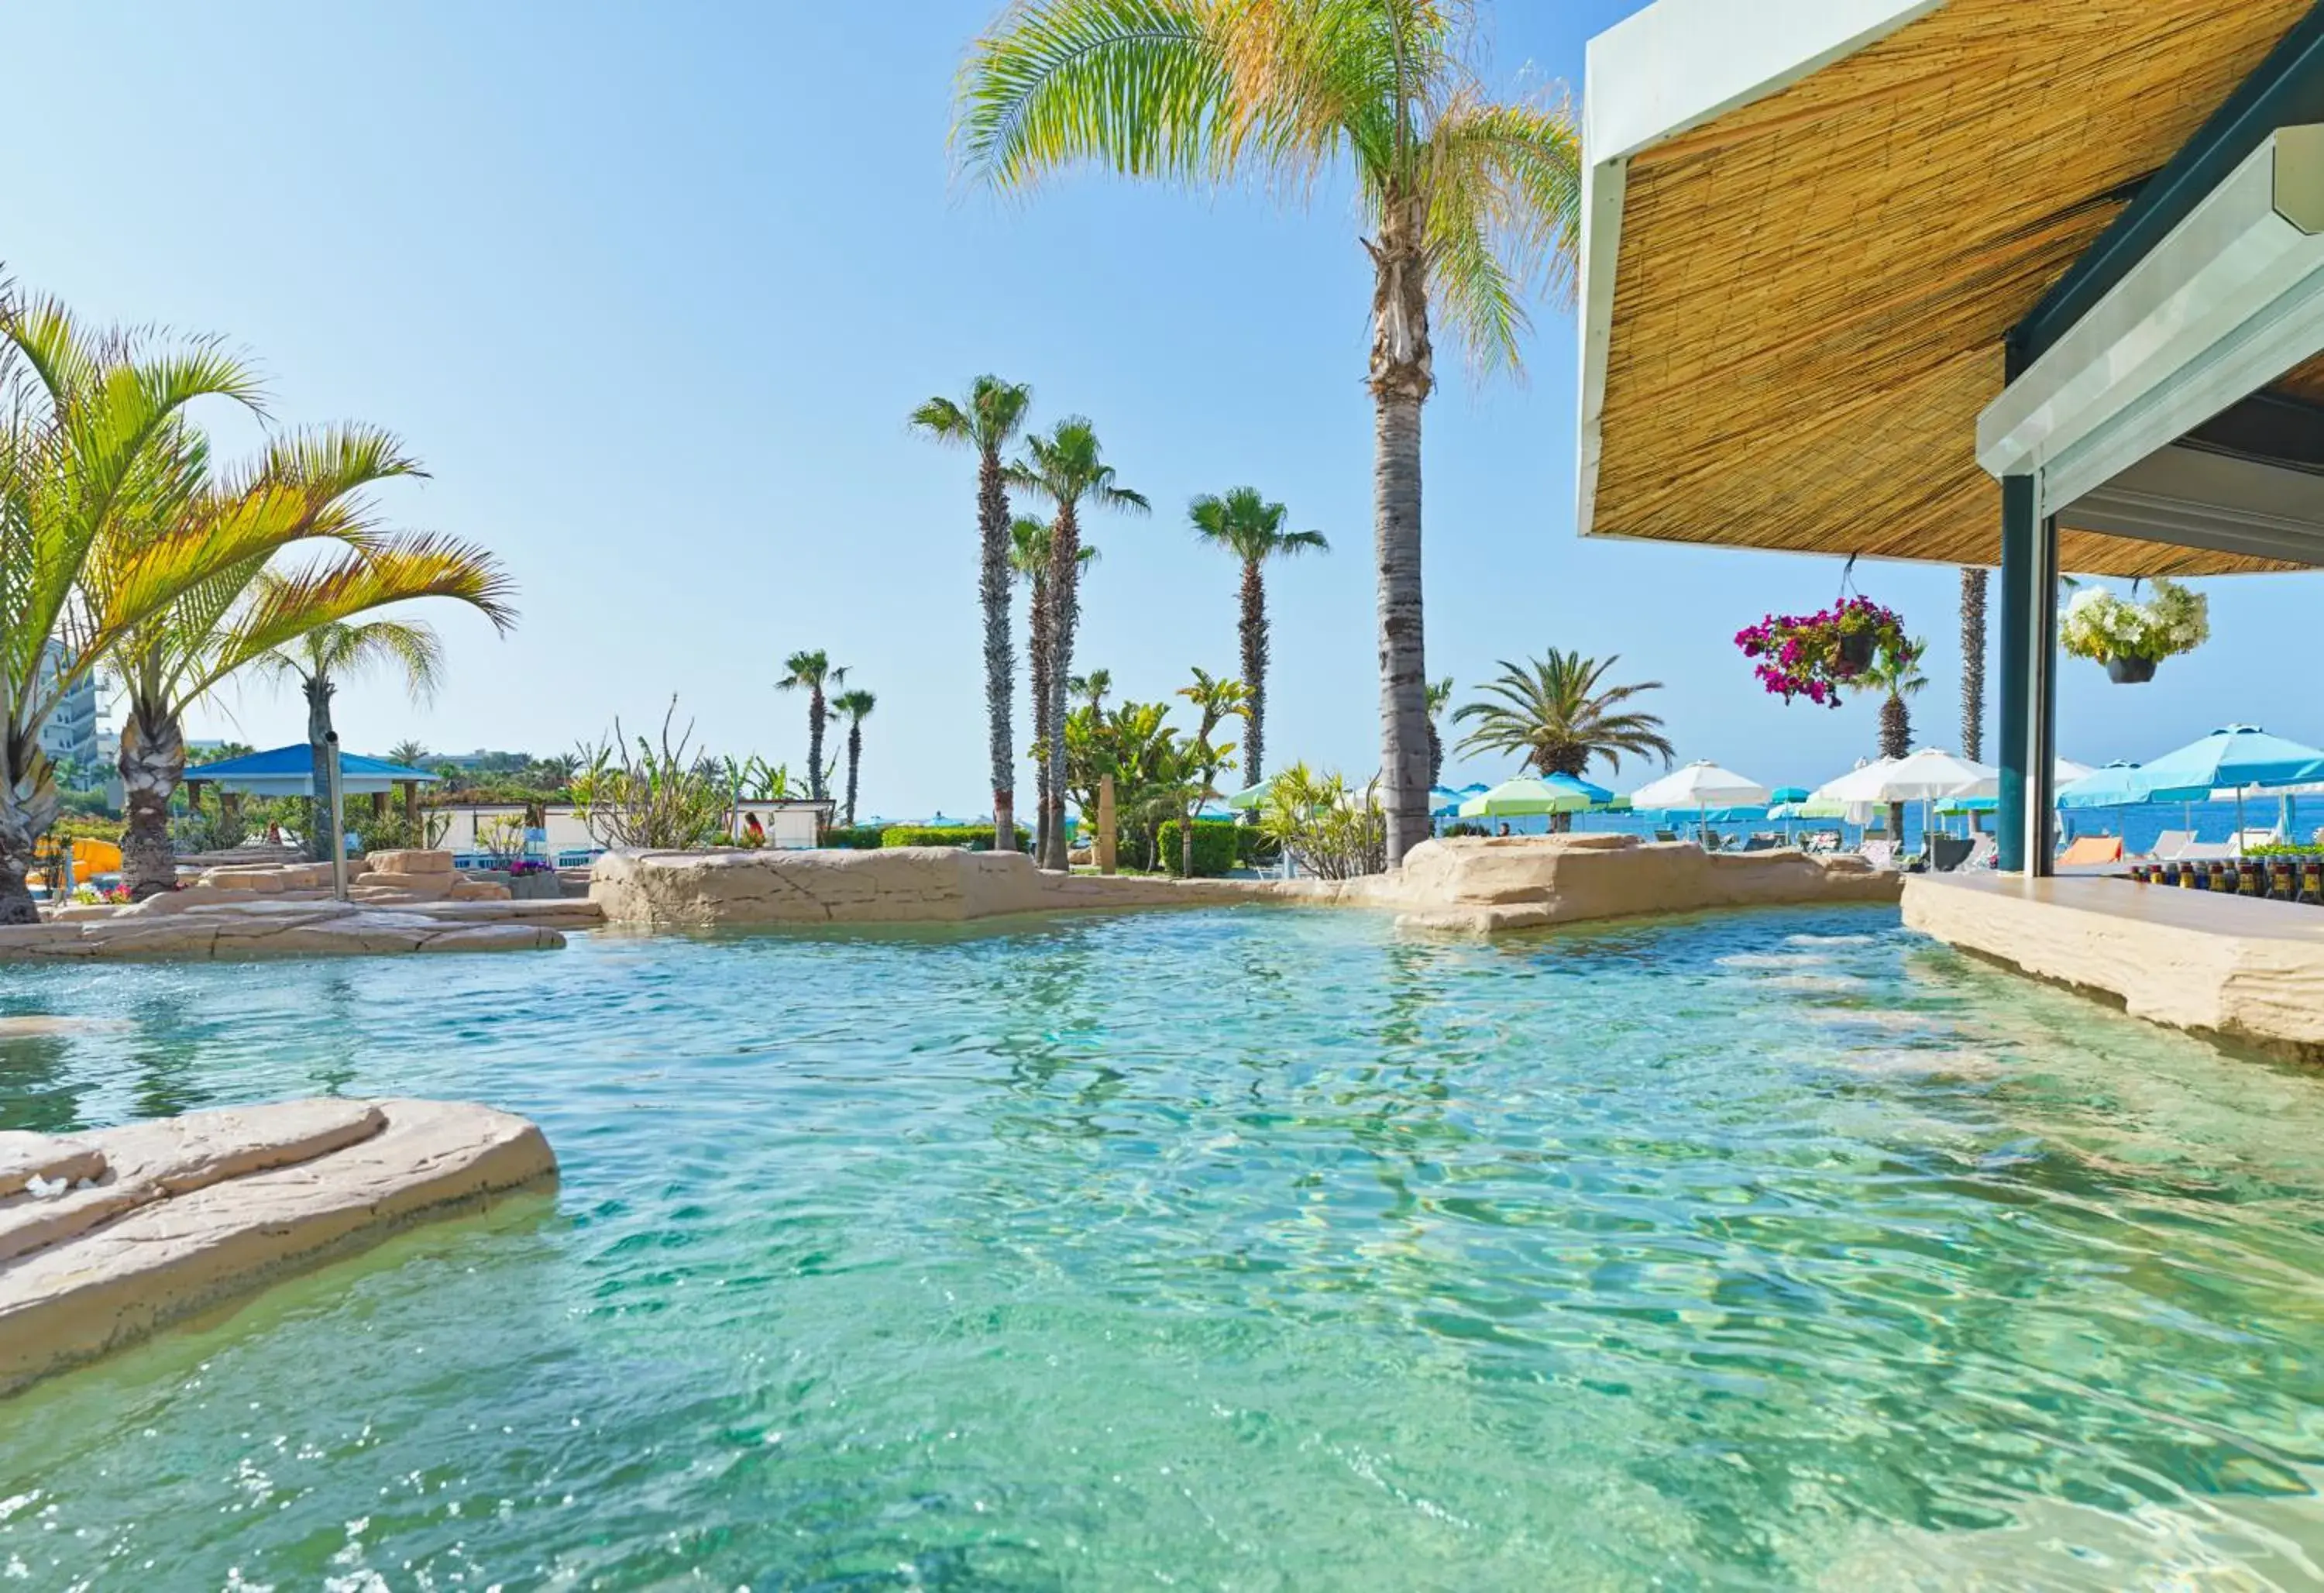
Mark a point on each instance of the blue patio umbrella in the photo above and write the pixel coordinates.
(1444, 802)
(2237, 755)
(1788, 793)
(1598, 794)
(2118, 785)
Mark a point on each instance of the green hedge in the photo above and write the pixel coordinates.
(975, 838)
(859, 838)
(1220, 846)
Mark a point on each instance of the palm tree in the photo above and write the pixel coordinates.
(1556, 713)
(1096, 686)
(1202, 759)
(1972, 641)
(1251, 528)
(810, 672)
(1067, 467)
(1028, 559)
(855, 707)
(331, 647)
(1440, 697)
(1471, 203)
(1899, 677)
(414, 755)
(95, 449)
(988, 420)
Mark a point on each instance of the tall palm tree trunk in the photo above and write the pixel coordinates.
(321, 841)
(1254, 669)
(1401, 378)
(28, 807)
(854, 759)
(1000, 665)
(151, 763)
(1065, 612)
(1896, 742)
(1038, 655)
(815, 713)
(1972, 640)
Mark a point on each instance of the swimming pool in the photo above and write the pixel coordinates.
(1244, 1248)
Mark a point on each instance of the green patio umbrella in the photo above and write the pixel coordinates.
(1525, 798)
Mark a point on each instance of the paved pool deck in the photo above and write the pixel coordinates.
(2231, 968)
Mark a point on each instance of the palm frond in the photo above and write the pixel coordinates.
(1136, 85)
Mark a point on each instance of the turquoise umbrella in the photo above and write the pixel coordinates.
(1788, 793)
(2118, 785)
(1598, 794)
(2239, 756)
(1444, 803)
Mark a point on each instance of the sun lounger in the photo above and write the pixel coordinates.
(2090, 849)
(2172, 843)
(2247, 839)
(1763, 842)
(1880, 854)
(1984, 853)
(1666, 835)
(1949, 852)
(2205, 852)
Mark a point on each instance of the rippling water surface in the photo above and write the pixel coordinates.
(1244, 1249)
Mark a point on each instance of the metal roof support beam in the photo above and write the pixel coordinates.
(2029, 680)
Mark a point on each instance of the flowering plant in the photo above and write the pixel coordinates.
(1817, 655)
(2100, 626)
(521, 866)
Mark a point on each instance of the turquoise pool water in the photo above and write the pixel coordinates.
(1243, 1249)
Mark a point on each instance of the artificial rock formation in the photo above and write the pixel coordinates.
(1486, 884)
(107, 1236)
(892, 884)
(1473, 886)
(235, 925)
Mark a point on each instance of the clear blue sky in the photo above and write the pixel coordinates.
(651, 289)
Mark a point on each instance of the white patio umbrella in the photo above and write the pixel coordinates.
(1926, 776)
(1698, 789)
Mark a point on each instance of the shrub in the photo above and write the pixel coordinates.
(1216, 851)
(1255, 848)
(1468, 829)
(659, 798)
(859, 838)
(975, 838)
(1331, 831)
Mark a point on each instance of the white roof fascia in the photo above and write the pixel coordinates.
(2226, 302)
(1664, 71)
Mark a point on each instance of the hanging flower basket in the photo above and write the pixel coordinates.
(1819, 656)
(2131, 637)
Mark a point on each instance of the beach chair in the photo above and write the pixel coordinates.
(2246, 840)
(1880, 854)
(2091, 850)
(1984, 853)
(1949, 852)
(1763, 842)
(2207, 852)
(2172, 843)
(1666, 835)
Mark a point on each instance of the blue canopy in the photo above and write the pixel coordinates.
(2237, 755)
(1598, 794)
(290, 770)
(1444, 803)
(2118, 785)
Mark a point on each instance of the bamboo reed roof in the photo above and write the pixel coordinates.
(1811, 290)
